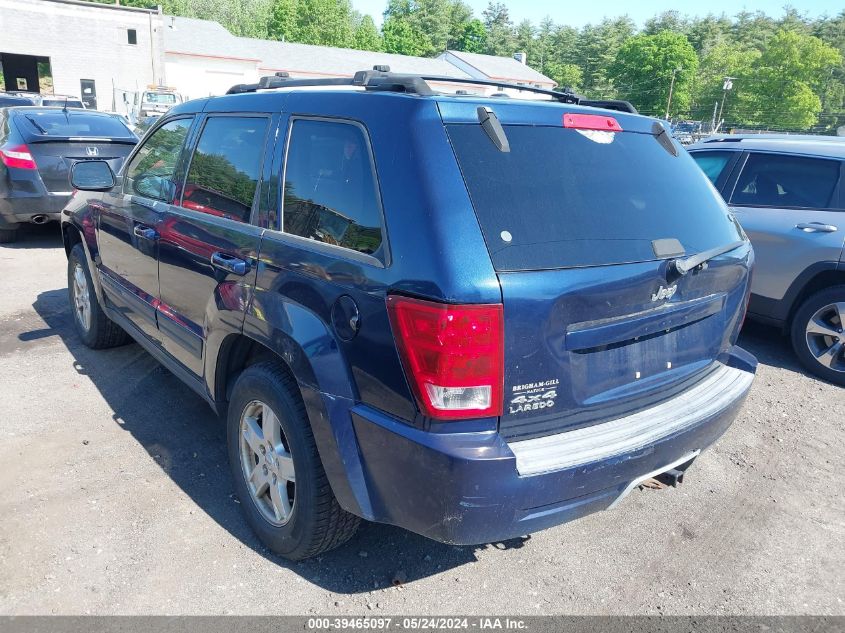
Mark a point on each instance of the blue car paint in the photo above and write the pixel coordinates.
(455, 482)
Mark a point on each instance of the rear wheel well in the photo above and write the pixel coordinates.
(71, 237)
(236, 354)
(823, 280)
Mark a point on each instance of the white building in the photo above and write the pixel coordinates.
(105, 53)
(83, 46)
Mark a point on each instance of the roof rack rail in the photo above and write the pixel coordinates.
(380, 78)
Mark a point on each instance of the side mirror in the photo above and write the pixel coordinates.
(92, 175)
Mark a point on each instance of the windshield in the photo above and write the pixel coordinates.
(46, 123)
(159, 97)
(564, 198)
(71, 103)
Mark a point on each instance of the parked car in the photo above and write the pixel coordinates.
(8, 99)
(470, 317)
(788, 194)
(53, 101)
(38, 146)
(687, 132)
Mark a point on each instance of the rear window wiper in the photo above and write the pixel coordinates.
(35, 124)
(685, 265)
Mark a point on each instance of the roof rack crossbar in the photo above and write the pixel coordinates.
(381, 79)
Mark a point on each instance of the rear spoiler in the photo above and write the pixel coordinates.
(81, 139)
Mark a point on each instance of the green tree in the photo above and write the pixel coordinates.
(366, 36)
(247, 18)
(645, 65)
(324, 22)
(564, 75)
(282, 24)
(784, 90)
(524, 39)
(721, 60)
(666, 21)
(499, 27)
(402, 37)
(704, 33)
(433, 18)
(473, 38)
(752, 30)
(460, 17)
(831, 30)
(597, 46)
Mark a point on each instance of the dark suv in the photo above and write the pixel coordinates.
(469, 317)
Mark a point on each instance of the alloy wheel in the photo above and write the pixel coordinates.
(81, 298)
(825, 338)
(267, 463)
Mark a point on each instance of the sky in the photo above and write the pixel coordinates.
(578, 13)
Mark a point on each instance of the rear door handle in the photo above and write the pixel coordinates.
(816, 227)
(230, 263)
(145, 232)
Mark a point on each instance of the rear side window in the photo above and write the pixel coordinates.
(330, 192)
(152, 172)
(57, 123)
(770, 180)
(565, 198)
(225, 167)
(712, 163)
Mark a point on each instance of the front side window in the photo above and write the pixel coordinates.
(712, 163)
(771, 180)
(152, 172)
(330, 192)
(225, 167)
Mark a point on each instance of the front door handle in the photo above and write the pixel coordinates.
(816, 227)
(230, 263)
(145, 232)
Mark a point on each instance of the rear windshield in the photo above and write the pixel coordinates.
(71, 103)
(565, 198)
(47, 123)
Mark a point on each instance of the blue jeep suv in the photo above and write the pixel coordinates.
(471, 317)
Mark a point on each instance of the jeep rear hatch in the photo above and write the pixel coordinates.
(598, 320)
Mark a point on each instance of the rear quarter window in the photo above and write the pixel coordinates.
(566, 198)
(330, 189)
(712, 163)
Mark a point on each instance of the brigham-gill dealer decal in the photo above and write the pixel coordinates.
(533, 396)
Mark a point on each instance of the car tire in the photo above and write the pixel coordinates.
(92, 325)
(817, 334)
(8, 236)
(304, 518)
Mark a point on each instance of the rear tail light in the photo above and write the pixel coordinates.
(591, 122)
(452, 355)
(17, 156)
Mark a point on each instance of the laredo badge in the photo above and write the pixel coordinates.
(533, 396)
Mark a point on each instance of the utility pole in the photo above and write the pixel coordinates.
(713, 122)
(726, 86)
(671, 88)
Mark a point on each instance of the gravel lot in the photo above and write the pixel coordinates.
(115, 498)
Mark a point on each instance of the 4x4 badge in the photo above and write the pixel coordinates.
(664, 293)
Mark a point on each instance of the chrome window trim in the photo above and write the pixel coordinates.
(717, 391)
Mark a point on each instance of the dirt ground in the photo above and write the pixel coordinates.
(115, 498)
